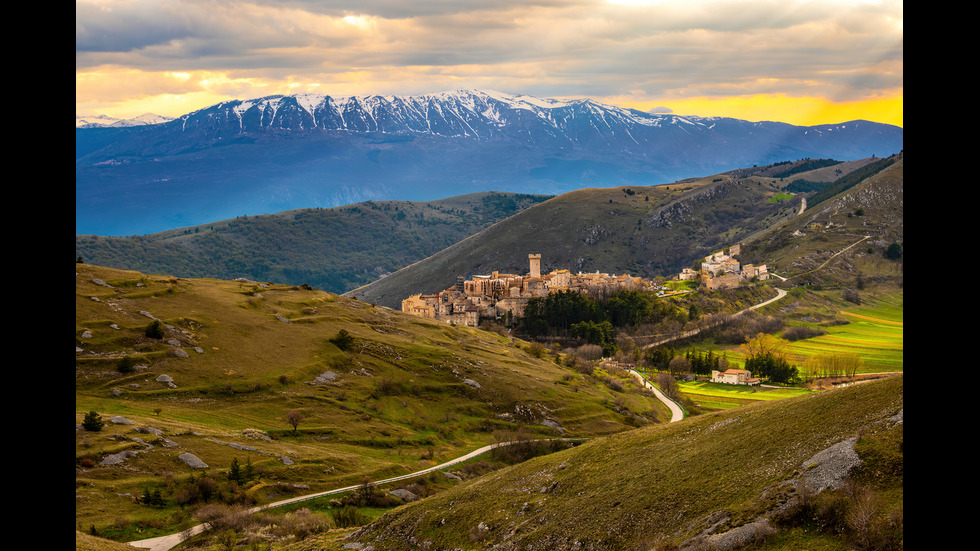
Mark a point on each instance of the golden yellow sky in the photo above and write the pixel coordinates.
(803, 111)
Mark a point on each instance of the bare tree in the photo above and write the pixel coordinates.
(293, 418)
(668, 385)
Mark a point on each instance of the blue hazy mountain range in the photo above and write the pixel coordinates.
(266, 155)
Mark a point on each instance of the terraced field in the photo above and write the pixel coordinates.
(876, 333)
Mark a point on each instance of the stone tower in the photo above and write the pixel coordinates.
(535, 265)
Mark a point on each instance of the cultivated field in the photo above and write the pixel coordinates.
(875, 332)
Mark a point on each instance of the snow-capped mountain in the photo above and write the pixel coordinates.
(282, 152)
(462, 114)
(101, 121)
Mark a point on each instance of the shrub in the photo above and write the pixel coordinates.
(349, 516)
(223, 517)
(343, 340)
(800, 332)
(126, 365)
(155, 330)
(302, 523)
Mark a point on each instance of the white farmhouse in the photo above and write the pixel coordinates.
(734, 377)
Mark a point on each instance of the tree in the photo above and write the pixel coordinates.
(155, 330)
(679, 365)
(293, 418)
(764, 343)
(343, 340)
(601, 334)
(93, 422)
(668, 385)
(235, 472)
(893, 252)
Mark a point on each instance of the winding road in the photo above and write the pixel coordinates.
(676, 413)
(779, 294)
(165, 543)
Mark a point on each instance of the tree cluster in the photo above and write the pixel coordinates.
(663, 358)
(771, 366)
(576, 315)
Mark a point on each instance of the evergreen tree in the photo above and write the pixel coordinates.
(93, 422)
(235, 472)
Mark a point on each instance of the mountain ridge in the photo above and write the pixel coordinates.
(285, 152)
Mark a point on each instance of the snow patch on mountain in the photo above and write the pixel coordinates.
(97, 121)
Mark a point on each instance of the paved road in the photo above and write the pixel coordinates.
(676, 413)
(164, 543)
(779, 294)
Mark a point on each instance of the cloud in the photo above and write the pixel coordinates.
(845, 50)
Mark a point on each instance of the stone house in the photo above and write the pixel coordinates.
(734, 377)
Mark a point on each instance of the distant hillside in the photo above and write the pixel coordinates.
(651, 231)
(335, 249)
(645, 231)
(856, 224)
(785, 470)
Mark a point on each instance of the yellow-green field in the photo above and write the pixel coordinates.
(716, 396)
(874, 332)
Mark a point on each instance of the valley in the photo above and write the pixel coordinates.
(280, 390)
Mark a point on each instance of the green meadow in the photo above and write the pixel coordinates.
(875, 332)
(718, 396)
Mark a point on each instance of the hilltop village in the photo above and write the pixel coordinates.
(506, 295)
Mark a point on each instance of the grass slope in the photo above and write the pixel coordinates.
(408, 393)
(841, 241)
(654, 487)
(645, 231)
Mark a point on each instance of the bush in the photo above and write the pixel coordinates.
(349, 516)
(155, 330)
(126, 365)
(301, 524)
(800, 332)
(343, 340)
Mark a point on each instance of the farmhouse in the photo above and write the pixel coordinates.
(734, 377)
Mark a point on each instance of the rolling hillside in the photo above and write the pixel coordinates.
(646, 231)
(234, 359)
(718, 481)
(851, 234)
(334, 249)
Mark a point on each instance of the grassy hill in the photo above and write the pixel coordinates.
(645, 231)
(235, 359)
(843, 237)
(334, 249)
(706, 481)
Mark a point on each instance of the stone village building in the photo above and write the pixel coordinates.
(722, 271)
(502, 295)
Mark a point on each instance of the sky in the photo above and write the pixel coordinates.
(798, 61)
